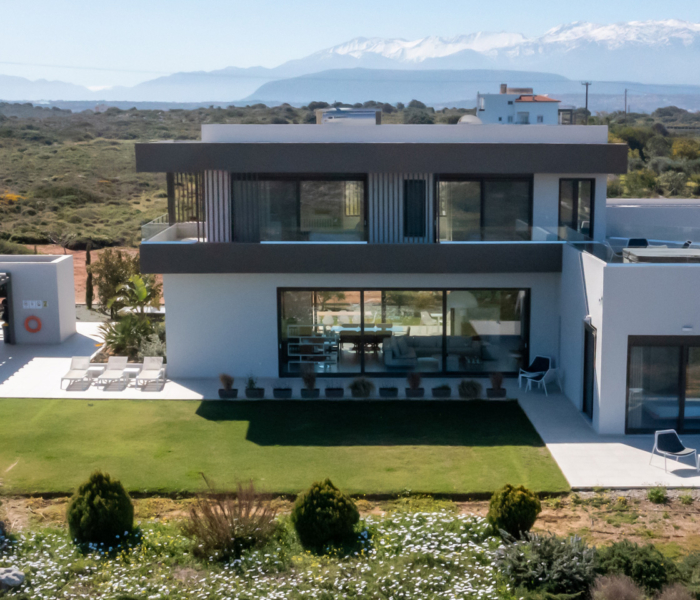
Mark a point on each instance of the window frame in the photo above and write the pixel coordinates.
(575, 201)
(683, 343)
(526, 318)
(298, 178)
(448, 177)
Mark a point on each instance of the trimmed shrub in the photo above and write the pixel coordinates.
(548, 563)
(616, 587)
(513, 510)
(469, 389)
(101, 511)
(324, 515)
(644, 564)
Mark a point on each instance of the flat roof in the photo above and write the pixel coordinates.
(405, 134)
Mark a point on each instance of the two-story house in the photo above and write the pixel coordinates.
(453, 250)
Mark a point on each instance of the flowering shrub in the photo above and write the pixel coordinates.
(416, 556)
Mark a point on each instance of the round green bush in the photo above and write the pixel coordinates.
(644, 565)
(513, 510)
(324, 515)
(100, 512)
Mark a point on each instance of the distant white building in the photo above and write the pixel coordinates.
(521, 106)
(349, 116)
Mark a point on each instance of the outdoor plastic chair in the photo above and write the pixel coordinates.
(667, 443)
(538, 366)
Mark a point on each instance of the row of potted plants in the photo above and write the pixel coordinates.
(362, 387)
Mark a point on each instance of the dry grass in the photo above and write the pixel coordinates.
(226, 524)
(616, 587)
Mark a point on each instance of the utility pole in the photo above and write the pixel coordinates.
(586, 83)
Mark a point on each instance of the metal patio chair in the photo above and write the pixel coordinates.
(668, 444)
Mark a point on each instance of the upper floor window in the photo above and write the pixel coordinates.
(477, 209)
(414, 207)
(576, 205)
(540, 119)
(297, 209)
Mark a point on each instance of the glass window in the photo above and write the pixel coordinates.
(485, 331)
(298, 210)
(691, 410)
(398, 331)
(460, 210)
(654, 391)
(414, 207)
(403, 331)
(576, 205)
(506, 209)
(320, 329)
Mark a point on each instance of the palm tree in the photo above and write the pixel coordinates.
(137, 294)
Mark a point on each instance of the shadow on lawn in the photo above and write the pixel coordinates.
(382, 423)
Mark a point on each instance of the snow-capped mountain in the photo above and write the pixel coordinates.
(656, 34)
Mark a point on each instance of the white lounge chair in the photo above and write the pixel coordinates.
(152, 371)
(114, 371)
(668, 444)
(79, 366)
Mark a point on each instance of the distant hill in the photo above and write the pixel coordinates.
(459, 88)
(19, 89)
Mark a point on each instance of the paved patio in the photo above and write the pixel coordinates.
(587, 459)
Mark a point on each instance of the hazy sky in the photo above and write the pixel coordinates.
(127, 41)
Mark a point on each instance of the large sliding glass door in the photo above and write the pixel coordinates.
(394, 331)
(663, 383)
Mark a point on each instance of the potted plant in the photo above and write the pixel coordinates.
(252, 390)
(442, 391)
(283, 392)
(388, 392)
(334, 392)
(496, 390)
(469, 389)
(414, 390)
(361, 388)
(308, 376)
(226, 392)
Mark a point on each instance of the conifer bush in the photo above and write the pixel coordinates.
(101, 511)
(324, 515)
(645, 565)
(513, 510)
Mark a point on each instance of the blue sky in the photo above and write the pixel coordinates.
(135, 40)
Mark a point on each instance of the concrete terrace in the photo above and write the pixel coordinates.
(587, 459)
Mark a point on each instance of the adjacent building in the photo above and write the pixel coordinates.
(521, 106)
(455, 251)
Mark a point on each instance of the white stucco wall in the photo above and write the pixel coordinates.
(47, 279)
(582, 281)
(228, 323)
(641, 300)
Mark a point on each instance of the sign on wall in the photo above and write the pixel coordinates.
(34, 304)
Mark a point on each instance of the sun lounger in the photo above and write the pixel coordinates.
(152, 371)
(79, 366)
(114, 371)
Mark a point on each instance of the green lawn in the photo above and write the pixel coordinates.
(364, 447)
